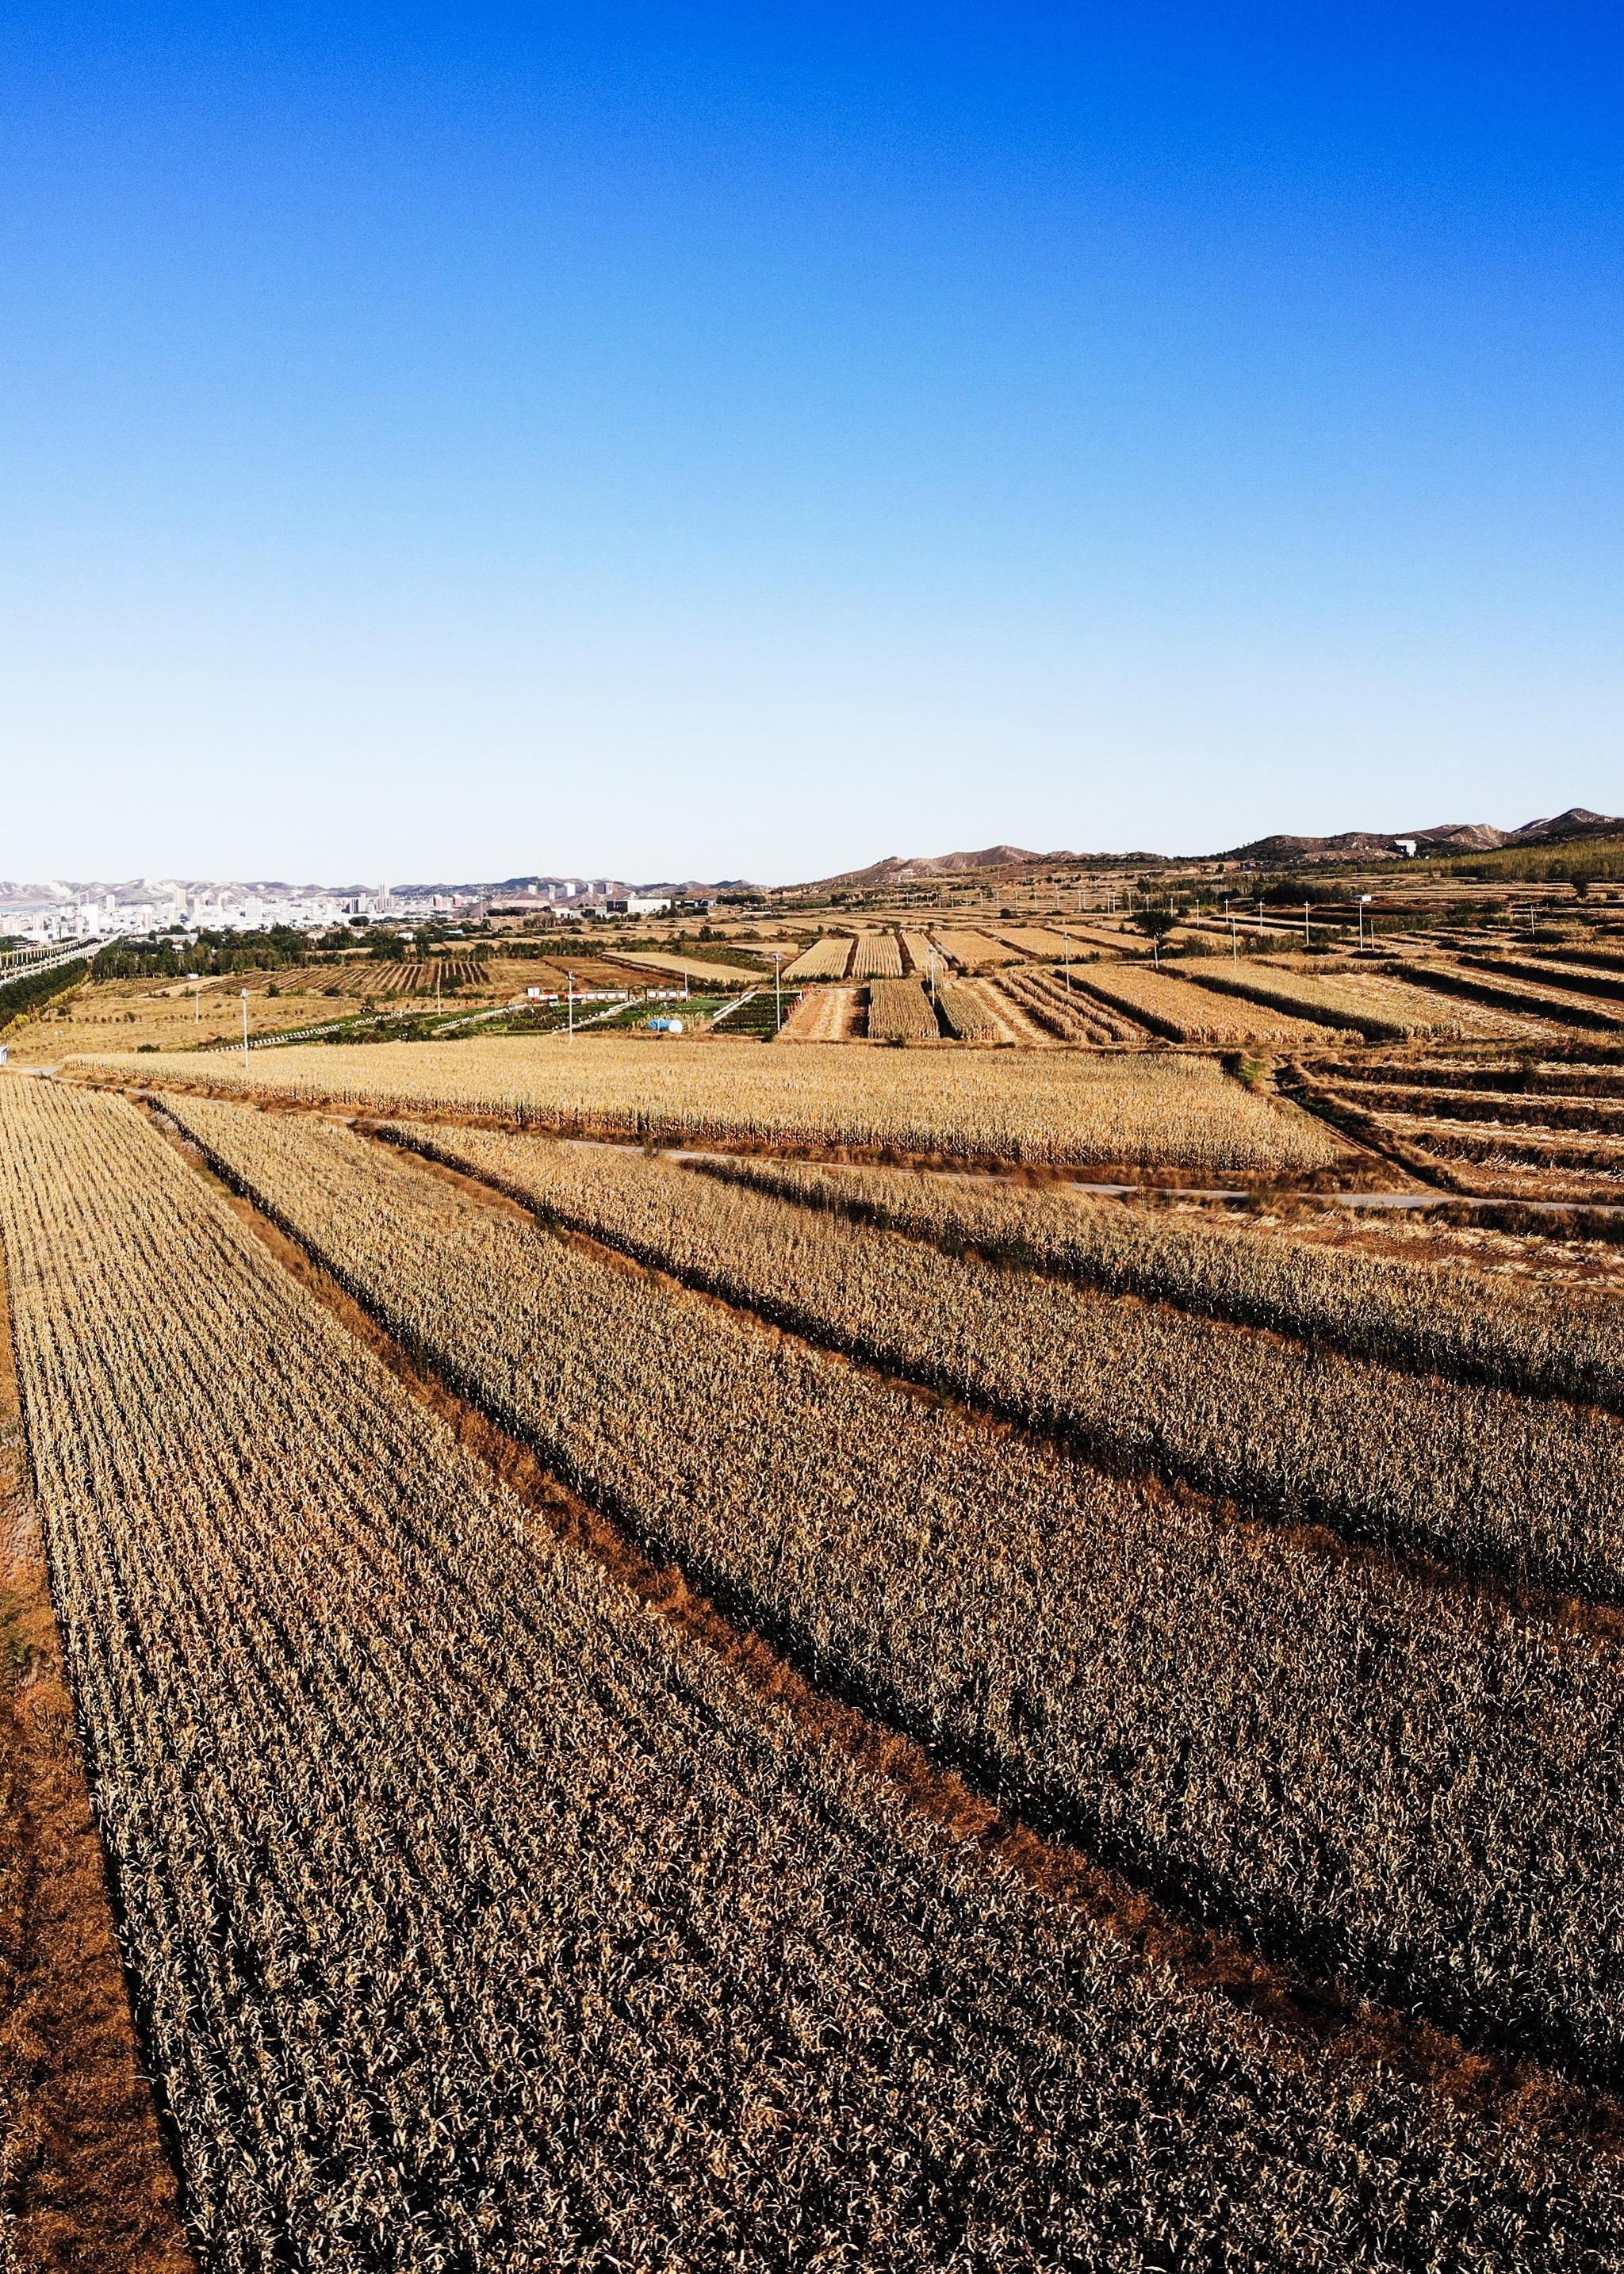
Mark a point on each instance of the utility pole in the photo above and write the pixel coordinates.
(196, 999)
(1305, 937)
(778, 994)
(932, 979)
(244, 1026)
(1066, 936)
(569, 976)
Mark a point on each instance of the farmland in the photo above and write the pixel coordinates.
(973, 951)
(1059, 1108)
(877, 955)
(790, 1651)
(910, 1559)
(1169, 1004)
(422, 1912)
(899, 1010)
(827, 958)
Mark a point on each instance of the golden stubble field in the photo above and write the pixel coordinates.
(1157, 1110)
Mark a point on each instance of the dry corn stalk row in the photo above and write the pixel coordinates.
(964, 1015)
(1067, 1011)
(899, 1011)
(425, 1897)
(1374, 1004)
(1522, 1001)
(481, 1922)
(1424, 1317)
(1552, 1078)
(971, 951)
(1317, 1746)
(1525, 1490)
(1058, 1106)
(1170, 1007)
(1528, 1108)
(826, 958)
(877, 955)
(1472, 1141)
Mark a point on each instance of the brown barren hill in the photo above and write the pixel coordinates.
(84, 2183)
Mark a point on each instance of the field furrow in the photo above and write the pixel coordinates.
(1316, 1745)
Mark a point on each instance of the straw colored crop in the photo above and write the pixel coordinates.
(964, 1015)
(1319, 1747)
(1171, 1007)
(477, 1921)
(1040, 1106)
(972, 951)
(899, 1011)
(1502, 1482)
(1367, 1002)
(1500, 1332)
(1067, 1011)
(877, 955)
(826, 958)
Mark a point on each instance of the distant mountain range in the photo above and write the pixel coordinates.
(1447, 837)
(1013, 861)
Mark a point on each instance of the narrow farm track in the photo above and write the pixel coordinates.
(1260, 1731)
(85, 2180)
(485, 1921)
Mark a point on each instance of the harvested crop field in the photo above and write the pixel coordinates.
(826, 958)
(1157, 1110)
(899, 1011)
(523, 1910)
(877, 955)
(972, 951)
(1169, 1006)
(1120, 1607)
(1055, 1001)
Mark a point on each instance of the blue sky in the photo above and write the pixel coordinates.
(455, 441)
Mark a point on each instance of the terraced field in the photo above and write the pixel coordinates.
(1552, 1131)
(521, 1909)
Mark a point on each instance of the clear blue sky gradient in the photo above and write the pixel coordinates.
(692, 440)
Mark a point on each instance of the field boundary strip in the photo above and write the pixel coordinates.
(1520, 2090)
(86, 2177)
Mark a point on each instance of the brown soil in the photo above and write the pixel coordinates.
(824, 1014)
(84, 2177)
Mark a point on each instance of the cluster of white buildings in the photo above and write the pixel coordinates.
(176, 908)
(54, 913)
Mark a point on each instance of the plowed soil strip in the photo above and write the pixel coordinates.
(84, 2181)
(1351, 2031)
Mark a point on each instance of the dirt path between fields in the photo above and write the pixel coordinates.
(86, 2183)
